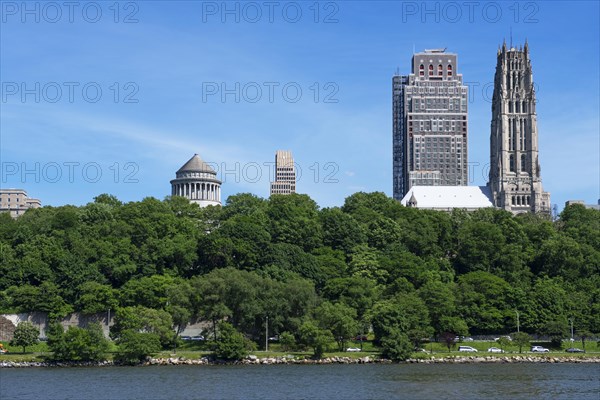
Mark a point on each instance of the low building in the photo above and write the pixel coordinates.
(16, 202)
(590, 206)
(447, 198)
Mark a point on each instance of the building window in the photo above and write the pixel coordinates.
(523, 163)
(449, 70)
(430, 70)
(440, 70)
(512, 163)
(421, 70)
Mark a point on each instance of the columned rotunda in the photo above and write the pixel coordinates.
(197, 182)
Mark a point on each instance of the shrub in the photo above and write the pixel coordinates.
(78, 344)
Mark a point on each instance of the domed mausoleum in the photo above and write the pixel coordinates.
(197, 182)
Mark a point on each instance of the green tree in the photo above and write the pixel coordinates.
(287, 341)
(25, 335)
(179, 306)
(339, 319)
(440, 301)
(357, 292)
(231, 344)
(312, 336)
(448, 338)
(521, 339)
(396, 346)
(144, 320)
(556, 330)
(134, 346)
(294, 220)
(503, 342)
(340, 230)
(455, 325)
(584, 334)
(95, 298)
(482, 301)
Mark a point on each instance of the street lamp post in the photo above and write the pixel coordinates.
(571, 321)
(267, 334)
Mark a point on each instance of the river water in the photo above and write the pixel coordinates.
(376, 381)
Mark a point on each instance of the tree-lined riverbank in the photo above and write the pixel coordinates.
(314, 279)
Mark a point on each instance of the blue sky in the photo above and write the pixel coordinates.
(104, 99)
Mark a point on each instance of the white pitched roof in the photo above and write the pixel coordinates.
(446, 197)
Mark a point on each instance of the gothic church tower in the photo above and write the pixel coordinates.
(515, 175)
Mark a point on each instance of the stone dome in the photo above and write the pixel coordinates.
(197, 181)
(196, 164)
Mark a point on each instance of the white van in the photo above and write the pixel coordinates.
(467, 349)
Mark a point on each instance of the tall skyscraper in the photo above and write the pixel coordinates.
(515, 175)
(197, 181)
(429, 124)
(285, 173)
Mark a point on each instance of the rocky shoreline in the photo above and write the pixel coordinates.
(254, 360)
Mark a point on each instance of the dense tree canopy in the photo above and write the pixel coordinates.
(320, 274)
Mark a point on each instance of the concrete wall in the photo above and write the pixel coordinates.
(8, 322)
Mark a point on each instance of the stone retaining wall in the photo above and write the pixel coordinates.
(253, 360)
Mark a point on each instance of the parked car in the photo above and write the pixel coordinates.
(463, 339)
(495, 350)
(467, 349)
(574, 350)
(506, 337)
(539, 349)
(353, 349)
(186, 337)
(198, 337)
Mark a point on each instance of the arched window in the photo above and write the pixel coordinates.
(449, 70)
(430, 70)
(511, 163)
(523, 163)
(440, 70)
(421, 70)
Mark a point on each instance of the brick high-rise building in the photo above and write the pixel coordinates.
(515, 174)
(429, 124)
